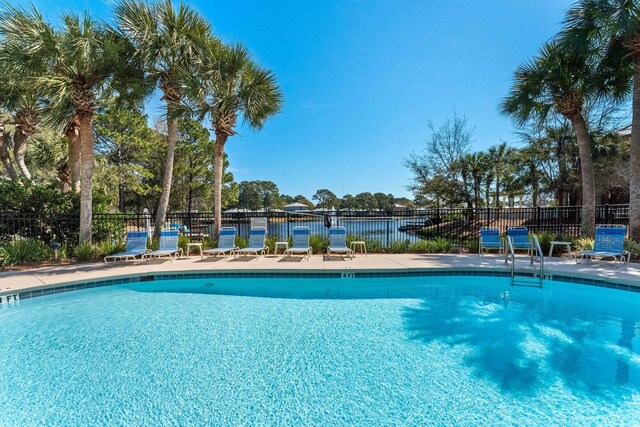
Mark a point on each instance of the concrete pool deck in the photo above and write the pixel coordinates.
(41, 278)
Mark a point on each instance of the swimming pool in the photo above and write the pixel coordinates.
(439, 350)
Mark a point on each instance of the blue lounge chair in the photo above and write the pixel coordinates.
(609, 243)
(136, 247)
(300, 243)
(490, 239)
(168, 245)
(257, 246)
(338, 242)
(226, 243)
(520, 238)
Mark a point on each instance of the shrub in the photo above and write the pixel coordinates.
(584, 244)
(27, 250)
(86, 252)
(182, 243)
(473, 245)
(398, 247)
(271, 243)
(109, 247)
(241, 242)
(545, 238)
(439, 245)
(633, 247)
(318, 243)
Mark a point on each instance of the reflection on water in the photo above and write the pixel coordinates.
(587, 338)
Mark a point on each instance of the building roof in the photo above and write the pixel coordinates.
(296, 205)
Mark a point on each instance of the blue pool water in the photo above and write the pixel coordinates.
(384, 351)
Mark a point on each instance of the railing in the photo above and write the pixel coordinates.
(385, 228)
(535, 252)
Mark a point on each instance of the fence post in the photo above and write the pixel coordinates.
(388, 232)
(538, 211)
(438, 222)
(606, 213)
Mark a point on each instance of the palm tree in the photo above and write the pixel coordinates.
(227, 85)
(166, 40)
(499, 155)
(5, 157)
(19, 98)
(562, 82)
(82, 58)
(612, 28)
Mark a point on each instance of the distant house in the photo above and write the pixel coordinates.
(399, 207)
(327, 210)
(296, 207)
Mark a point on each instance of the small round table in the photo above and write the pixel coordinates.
(195, 245)
(559, 243)
(359, 244)
(276, 244)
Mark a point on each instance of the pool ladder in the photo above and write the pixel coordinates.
(535, 255)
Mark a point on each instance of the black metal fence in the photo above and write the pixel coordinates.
(385, 227)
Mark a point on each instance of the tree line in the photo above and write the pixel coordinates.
(63, 77)
(568, 102)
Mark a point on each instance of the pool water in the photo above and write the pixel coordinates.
(381, 351)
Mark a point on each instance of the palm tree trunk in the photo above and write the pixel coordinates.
(20, 151)
(75, 160)
(86, 175)
(497, 201)
(163, 205)
(5, 157)
(634, 179)
(218, 164)
(588, 224)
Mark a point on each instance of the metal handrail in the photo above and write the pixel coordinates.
(512, 254)
(536, 246)
(536, 252)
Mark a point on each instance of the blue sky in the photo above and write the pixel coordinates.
(361, 80)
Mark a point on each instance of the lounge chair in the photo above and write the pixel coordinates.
(257, 246)
(136, 247)
(490, 239)
(519, 239)
(609, 243)
(168, 245)
(300, 243)
(338, 242)
(226, 243)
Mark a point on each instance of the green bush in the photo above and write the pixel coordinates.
(241, 242)
(473, 245)
(545, 238)
(318, 243)
(584, 244)
(398, 247)
(271, 243)
(87, 251)
(633, 247)
(182, 243)
(27, 250)
(110, 247)
(439, 245)
(373, 245)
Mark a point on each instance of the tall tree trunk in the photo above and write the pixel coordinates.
(534, 185)
(497, 201)
(634, 163)
(63, 176)
(588, 224)
(72, 132)
(218, 164)
(86, 175)
(163, 205)
(20, 151)
(5, 157)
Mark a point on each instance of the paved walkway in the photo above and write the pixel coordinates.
(11, 282)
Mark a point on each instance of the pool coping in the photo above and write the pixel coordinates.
(563, 276)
